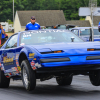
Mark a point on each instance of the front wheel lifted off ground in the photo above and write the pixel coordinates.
(28, 76)
(4, 82)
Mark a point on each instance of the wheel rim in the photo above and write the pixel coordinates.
(25, 77)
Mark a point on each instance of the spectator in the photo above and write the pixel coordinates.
(2, 35)
(32, 25)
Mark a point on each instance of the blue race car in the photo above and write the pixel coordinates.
(85, 33)
(44, 54)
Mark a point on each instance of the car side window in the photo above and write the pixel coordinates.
(12, 42)
(84, 32)
(75, 31)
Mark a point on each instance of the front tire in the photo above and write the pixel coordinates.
(4, 81)
(62, 81)
(95, 77)
(28, 76)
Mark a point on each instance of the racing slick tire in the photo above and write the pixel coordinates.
(62, 81)
(4, 81)
(95, 77)
(28, 76)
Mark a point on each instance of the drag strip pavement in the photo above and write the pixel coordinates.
(80, 89)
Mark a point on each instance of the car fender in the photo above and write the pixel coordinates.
(29, 54)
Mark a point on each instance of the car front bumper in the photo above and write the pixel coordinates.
(74, 68)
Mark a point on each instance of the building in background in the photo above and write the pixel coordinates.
(79, 23)
(96, 20)
(43, 17)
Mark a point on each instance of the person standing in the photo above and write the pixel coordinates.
(32, 25)
(2, 35)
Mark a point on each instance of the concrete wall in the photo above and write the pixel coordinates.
(89, 18)
(17, 25)
(23, 29)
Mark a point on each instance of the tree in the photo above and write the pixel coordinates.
(71, 7)
(5, 10)
(50, 5)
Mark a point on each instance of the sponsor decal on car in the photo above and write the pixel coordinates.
(17, 55)
(28, 34)
(2, 68)
(17, 63)
(38, 65)
(8, 71)
(32, 63)
(8, 61)
(35, 65)
(31, 55)
(8, 75)
(14, 69)
(19, 69)
(34, 68)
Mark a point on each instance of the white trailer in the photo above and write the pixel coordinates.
(5, 26)
(10, 28)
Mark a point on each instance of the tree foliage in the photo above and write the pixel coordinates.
(69, 7)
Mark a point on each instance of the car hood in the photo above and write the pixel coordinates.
(70, 48)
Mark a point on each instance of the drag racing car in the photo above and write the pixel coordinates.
(64, 26)
(45, 54)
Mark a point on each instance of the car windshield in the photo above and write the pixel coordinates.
(52, 36)
(87, 32)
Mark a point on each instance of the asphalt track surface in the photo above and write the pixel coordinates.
(80, 89)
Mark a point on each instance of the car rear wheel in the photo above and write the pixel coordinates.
(4, 81)
(62, 81)
(95, 77)
(28, 76)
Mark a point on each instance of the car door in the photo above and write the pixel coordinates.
(85, 34)
(8, 54)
